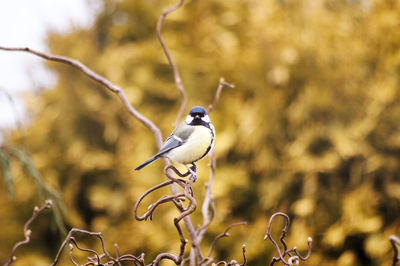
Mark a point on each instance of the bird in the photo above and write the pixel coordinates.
(189, 142)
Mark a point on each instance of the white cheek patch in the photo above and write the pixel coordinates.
(206, 119)
(188, 119)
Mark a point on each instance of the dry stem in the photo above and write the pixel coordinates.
(394, 240)
(27, 231)
(293, 254)
(177, 197)
(177, 76)
(221, 85)
(100, 79)
(96, 259)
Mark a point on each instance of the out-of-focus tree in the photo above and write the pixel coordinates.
(311, 128)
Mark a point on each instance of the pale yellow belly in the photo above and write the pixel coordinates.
(195, 147)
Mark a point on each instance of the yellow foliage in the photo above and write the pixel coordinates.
(311, 127)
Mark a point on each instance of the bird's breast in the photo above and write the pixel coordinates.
(196, 146)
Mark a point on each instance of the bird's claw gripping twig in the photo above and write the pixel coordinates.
(193, 172)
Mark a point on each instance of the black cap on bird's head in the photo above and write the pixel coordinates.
(197, 111)
(197, 116)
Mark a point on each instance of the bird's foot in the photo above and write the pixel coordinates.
(193, 172)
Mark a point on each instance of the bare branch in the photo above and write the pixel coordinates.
(152, 207)
(177, 197)
(100, 79)
(97, 255)
(70, 239)
(208, 259)
(221, 85)
(244, 255)
(117, 90)
(178, 80)
(186, 218)
(27, 231)
(71, 249)
(293, 259)
(394, 240)
(208, 202)
(177, 259)
(177, 200)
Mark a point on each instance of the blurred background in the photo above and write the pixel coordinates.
(311, 128)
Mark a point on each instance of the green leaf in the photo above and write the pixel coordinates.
(45, 191)
(5, 169)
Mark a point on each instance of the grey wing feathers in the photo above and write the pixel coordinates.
(169, 144)
(155, 157)
(176, 139)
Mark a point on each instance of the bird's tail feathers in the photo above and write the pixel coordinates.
(155, 157)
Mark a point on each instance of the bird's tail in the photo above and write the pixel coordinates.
(147, 162)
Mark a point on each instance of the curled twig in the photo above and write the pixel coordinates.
(232, 262)
(177, 200)
(177, 76)
(152, 207)
(177, 259)
(177, 197)
(224, 234)
(71, 249)
(27, 231)
(293, 254)
(395, 241)
(70, 239)
(207, 260)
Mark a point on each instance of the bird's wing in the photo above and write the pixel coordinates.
(179, 136)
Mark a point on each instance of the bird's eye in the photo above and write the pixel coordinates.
(198, 114)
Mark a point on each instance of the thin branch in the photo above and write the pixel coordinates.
(66, 241)
(121, 94)
(293, 259)
(186, 218)
(149, 213)
(178, 82)
(71, 249)
(149, 124)
(117, 253)
(27, 231)
(100, 79)
(177, 259)
(208, 202)
(176, 199)
(309, 243)
(70, 239)
(97, 255)
(177, 77)
(244, 255)
(394, 240)
(224, 234)
(221, 85)
(268, 235)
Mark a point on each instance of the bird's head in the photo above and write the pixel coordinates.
(197, 116)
